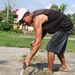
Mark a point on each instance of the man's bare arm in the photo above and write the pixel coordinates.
(37, 25)
(38, 38)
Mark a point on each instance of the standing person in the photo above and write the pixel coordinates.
(47, 21)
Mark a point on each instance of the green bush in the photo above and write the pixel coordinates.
(73, 30)
(17, 30)
(1, 18)
(5, 26)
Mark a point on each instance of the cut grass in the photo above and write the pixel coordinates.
(15, 42)
(71, 46)
(6, 40)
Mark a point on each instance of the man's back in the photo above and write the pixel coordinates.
(56, 20)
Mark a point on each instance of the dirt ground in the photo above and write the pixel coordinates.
(11, 62)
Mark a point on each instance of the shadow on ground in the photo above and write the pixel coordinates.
(3, 62)
(42, 67)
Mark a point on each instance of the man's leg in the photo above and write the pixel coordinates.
(63, 62)
(51, 57)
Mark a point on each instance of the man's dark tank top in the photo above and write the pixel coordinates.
(56, 20)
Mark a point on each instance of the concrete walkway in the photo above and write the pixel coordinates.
(10, 63)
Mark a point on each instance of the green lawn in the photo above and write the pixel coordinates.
(6, 40)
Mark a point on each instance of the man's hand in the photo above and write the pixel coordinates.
(32, 43)
(27, 61)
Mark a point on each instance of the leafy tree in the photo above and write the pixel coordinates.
(8, 4)
(69, 15)
(73, 18)
(54, 7)
(62, 8)
(1, 18)
(5, 26)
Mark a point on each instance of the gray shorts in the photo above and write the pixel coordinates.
(58, 42)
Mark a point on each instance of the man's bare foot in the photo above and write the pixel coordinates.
(50, 71)
(63, 69)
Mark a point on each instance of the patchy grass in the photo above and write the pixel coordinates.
(42, 72)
